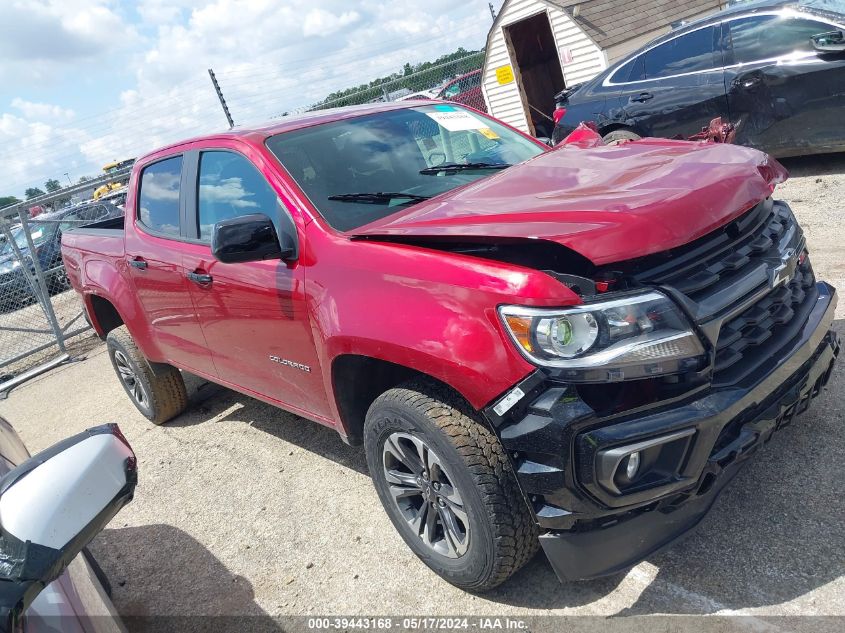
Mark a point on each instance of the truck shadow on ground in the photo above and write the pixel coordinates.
(815, 165)
(180, 577)
(210, 401)
(773, 536)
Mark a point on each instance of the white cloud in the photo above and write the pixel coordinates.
(322, 23)
(42, 111)
(270, 57)
(59, 31)
(32, 151)
(162, 11)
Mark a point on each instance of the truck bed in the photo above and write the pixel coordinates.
(94, 250)
(109, 228)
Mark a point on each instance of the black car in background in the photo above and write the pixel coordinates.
(754, 64)
(46, 233)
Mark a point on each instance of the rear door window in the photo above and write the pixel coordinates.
(692, 52)
(764, 37)
(158, 198)
(633, 70)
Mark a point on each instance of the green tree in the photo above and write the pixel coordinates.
(33, 192)
(5, 201)
(52, 185)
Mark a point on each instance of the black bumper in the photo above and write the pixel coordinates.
(587, 532)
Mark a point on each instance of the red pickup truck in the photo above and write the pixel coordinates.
(574, 348)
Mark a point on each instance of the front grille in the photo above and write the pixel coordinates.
(751, 340)
(720, 274)
(712, 265)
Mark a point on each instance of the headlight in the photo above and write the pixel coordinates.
(634, 336)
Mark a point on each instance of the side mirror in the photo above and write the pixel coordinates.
(52, 506)
(830, 42)
(250, 238)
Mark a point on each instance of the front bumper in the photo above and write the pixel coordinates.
(586, 531)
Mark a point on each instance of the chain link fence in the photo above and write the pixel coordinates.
(40, 314)
(457, 80)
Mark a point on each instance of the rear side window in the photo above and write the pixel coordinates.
(685, 54)
(158, 206)
(634, 70)
(770, 36)
(230, 186)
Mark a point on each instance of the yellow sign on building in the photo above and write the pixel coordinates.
(505, 75)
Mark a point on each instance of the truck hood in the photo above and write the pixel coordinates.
(606, 203)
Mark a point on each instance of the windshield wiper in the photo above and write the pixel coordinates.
(456, 167)
(377, 197)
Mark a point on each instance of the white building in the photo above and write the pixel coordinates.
(536, 48)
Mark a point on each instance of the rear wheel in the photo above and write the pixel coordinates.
(448, 487)
(620, 136)
(157, 390)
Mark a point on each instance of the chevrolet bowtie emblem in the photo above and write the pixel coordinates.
(783, 272)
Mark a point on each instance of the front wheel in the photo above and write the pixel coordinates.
(448, 487)
(157, 390)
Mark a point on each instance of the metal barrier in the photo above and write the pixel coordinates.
(39, 311)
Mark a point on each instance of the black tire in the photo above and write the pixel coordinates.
(500, 535)
(618, 136)
(157, 390)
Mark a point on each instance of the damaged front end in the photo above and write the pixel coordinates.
(619, 461)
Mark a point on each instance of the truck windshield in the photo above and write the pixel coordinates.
(357, 171)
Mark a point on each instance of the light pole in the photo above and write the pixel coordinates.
(67, 175)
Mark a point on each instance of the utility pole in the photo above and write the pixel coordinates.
(67, 175)
(492, 10)
(220, 96)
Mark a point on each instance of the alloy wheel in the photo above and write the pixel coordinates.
(129, 378)
(425, 494)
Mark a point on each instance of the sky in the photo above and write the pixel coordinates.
(85, 82)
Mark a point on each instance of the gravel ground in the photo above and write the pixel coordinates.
(244, 509)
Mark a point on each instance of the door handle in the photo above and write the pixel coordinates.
(203, 279)
(747, 83)
(138, 263)
(642, 97)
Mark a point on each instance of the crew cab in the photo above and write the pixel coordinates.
(574, 348)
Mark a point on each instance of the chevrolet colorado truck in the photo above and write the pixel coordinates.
(574, 348)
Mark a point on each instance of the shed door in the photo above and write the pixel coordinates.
(534, 52)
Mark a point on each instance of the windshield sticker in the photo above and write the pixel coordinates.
(456, 121)
(487, 132)
(445, 108)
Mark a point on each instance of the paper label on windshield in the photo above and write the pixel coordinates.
(486, 131)
(456, 120)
